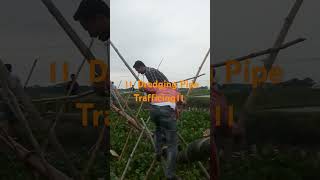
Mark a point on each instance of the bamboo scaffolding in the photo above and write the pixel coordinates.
(30, 159)
(51, 131)
(35, 116)
(130, 120)
(85, 51)
(30, 109)
(145, 127)
(133, 151)
(129, 135)
(66, 98)
(124, 61)
(94, 153)
(130, 69)
(191, 78)
(199, 69)
(249, 103)
(12, 101)
(189, 91)
(261, 53)
(116, 98)
(160, 63)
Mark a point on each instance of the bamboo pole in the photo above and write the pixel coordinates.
(51, 131)
(85, 51)
(69, 91)
(199, 69)
(191, 78)
(150, 169)
(263, 52)
(129, 135)
(124, 61)
(12, 101)
(66, 98)
(200, 164)
(94, 153)
(130, 120)
(160, 63)
(30, 73)
(116, 98)
(133, 151)
(189, 91)
(31, 160)
(249, 104)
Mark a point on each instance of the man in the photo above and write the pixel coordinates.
(94, 16)
(75, 88)
(163, 114)
(151, 74)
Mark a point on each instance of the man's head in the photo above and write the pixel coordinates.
(73, 76)
(94, 16)
(139, 67)
(9, 67)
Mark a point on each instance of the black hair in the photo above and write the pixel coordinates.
(138, 64)
(9, 67)
(90, 8)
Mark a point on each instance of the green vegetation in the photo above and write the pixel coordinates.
(191, 125)
(271, 163)
(287, 142)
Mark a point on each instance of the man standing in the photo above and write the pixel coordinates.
(163, 114)
(151, 74)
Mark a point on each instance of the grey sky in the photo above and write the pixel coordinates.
(149, 30)
(241, 27)
(28, 31)
(178, 31)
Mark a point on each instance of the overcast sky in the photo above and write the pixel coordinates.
(176, 31)
(241, 27)
(29, 31)
(150, 30)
